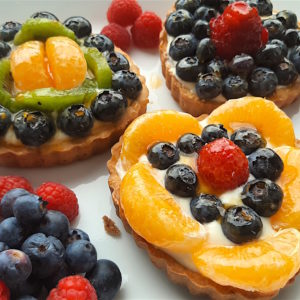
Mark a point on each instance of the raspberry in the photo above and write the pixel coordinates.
(223, 165)
(123, 12)
(118, 34)
(59, 198)
(4, 291)
(73, 287)
(146, 29)
(238, 30)
(8, 183)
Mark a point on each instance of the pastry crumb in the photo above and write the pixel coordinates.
(110, 227)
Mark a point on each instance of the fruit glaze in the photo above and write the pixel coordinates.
(65, 93)
(214, 200)
(212, 51)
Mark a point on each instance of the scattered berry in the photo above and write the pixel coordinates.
(80, 25)
(212, 132)
(44, 15)
(76, 235)
(179, 22)
(183, 46)
(117, 61)
(208, 86)
(4, 291)
(190, 143)
(99, 41)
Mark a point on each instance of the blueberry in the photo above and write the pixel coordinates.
(46, 254)
(205, 13)
(109, 106)
(183, 46)
(242, 65)
(5, 119)
(206, 208)
(162, 155)
(26, 297)
(263, 82)
(128, 83)
(81, 256)
(211, 3)
(76, 235)
(15, 266)
(75, 120)
(275, 28)
(263, 196)
(241, 224)
(235, 87)
(44, 15)
(33, 128)
(179, 22)
(55, 224)
(99, 41)
(206, 50)
(288, 19)
(4, 49)
(190, 143)
(8, 200)
(181, 180)
(30, 286)
(189, 5)
(208, 86)
(291, 37)
(189, 68)
(106, 279)
(80, 25)
(281, 44)
(3, 247)
(217, 67)
(286, 72)
(8, 30)
(264, 7)
(249, 140)
(116, 61)
(269, 56)
(213, 132)
(52, 281)
(294, 57)
(265, 163)
(201, 29)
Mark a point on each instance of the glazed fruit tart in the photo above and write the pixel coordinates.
(212, 51)
(65, 93)
(214, 200)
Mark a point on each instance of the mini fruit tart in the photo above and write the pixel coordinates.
(214, 200)
(212, 51)
(65, 94)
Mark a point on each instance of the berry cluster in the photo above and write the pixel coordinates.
(223, 163)
(225, 47)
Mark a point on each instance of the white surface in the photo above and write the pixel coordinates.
(141, 280)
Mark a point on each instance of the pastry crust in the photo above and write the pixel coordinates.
(56, 152)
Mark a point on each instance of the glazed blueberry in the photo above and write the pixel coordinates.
(269, 56)
(206, 208)
(190, 143)
(208, 86)
(81, 256)
(189, 5)
(183, 46)
(128, 83)
(109, 106)
(76, 235)
(205, 13)
(4, 49)
(235, 87)
(181, 180)
(275, 28)
(99, 41)
(241, 224)
(33, 128)
(217, 67)
(265, 163)
(281, 44)
(262, 82)
(294, 57)
(117, 61)
(76, 120)
(15, 266)
(213, 132)
(286, 72)
(264, 7)
(163, 155)
(44, 15)
(5, 120)
(212, 3)
(80, 25)
(46, 254)
(288, 19)
(189, 68)
(52, 281)
(224, 4)
(206, 50)
(242, 65)
(291, 37)
(31, 286)
(26, 297)
(263, 196)
(179, 22)
(55, 224)
(29, 209)
(8, 30)
(249, 140)
(3, 247)
(106, 279)
(201, 29)
(12, 233)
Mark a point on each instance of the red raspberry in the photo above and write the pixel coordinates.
(223, 165)
(123, 12)
(238, 30)
(4, 291)
(8, 183)
(118, 34)
(73, 287)
(146, 29)
(59, 198)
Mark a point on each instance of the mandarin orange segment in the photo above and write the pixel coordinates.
(264, 266)
(152, 213)
(67, 63)
(154, 127)
(274, 125)
(29, 68)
